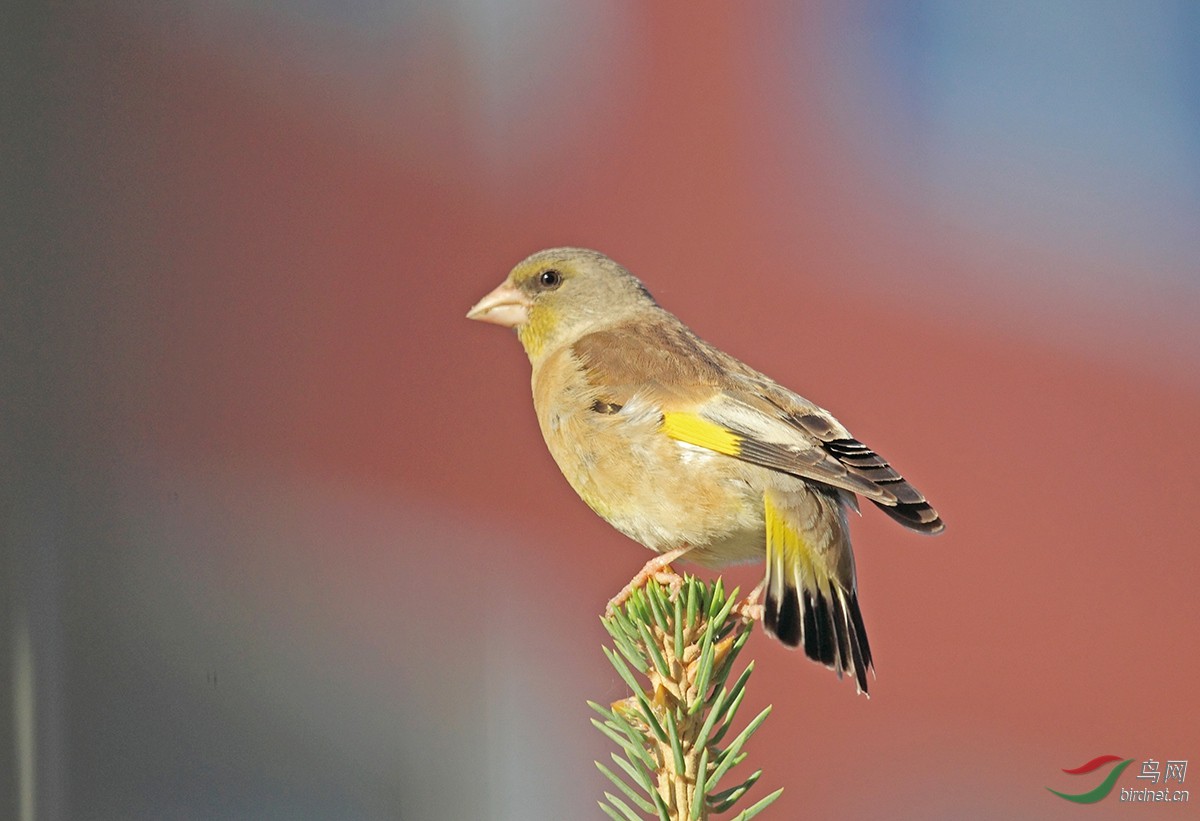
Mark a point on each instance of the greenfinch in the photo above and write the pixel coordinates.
(694, 454)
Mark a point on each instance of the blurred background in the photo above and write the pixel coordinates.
(280, 536)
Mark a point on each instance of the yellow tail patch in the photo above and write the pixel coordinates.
(786, 548)
(789, 549)
(696, 430)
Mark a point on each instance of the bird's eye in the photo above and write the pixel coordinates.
(550, 279)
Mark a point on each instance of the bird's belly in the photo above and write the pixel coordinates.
(663, 493)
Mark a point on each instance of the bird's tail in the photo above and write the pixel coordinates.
(811, 598)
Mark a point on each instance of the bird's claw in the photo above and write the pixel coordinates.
(658, 569)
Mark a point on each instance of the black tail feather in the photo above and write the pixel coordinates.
(827, 623)
(783, 617)
(860, 637)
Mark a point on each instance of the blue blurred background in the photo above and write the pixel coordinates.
(281, 539)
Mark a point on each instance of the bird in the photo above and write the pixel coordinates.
(696, 455)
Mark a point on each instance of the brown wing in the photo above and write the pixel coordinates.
(852, 462)
(770, 425)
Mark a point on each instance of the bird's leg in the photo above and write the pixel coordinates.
(651, 569)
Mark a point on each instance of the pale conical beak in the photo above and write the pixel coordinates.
(505, 306)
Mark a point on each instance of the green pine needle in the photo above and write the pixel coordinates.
(747, 814)
(722, 801)
(626, 812)
(629, 791)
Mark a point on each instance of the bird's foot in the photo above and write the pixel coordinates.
(657, 569)
(750, 612)
(752, 609)
(671, 580)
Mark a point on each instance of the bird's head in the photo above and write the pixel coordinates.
(556, 296)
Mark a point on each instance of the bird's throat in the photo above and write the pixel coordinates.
(535, 333)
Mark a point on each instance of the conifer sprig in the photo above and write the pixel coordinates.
(680, 637)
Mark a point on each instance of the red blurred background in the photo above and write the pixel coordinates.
(282, 539)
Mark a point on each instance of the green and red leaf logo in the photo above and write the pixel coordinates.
(1104, 787)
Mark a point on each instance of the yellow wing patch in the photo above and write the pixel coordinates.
(696, 430)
